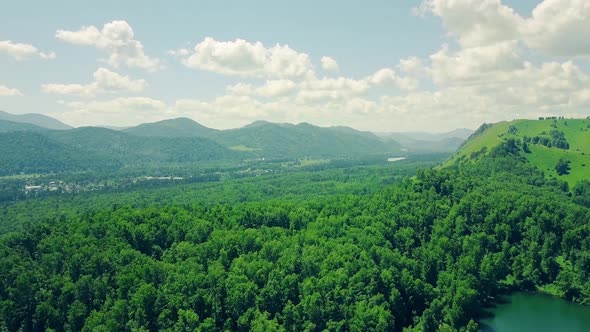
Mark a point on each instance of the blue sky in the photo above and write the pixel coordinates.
(401, 65)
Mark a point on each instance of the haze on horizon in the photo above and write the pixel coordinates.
(434, 65)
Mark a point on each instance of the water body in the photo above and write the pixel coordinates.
(524, 312)
(395, 159)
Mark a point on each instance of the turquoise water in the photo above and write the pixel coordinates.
(524, 312)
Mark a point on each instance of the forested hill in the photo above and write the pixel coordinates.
(92, 148)
(558, 147)
(288, 140)
(179, 127)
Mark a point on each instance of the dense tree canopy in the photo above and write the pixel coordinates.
(425, 254)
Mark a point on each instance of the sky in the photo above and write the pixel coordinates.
(403, 65)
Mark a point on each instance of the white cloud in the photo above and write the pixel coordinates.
(105, 81)
(476, 64)
(21, 51)
(70, 89)
(388, 77)
(9, 92)
(476, 22)
(329, 64)
(248, 59)
(556, 27)
(181, 52)
(272, 88)
(111, 81)
(126, 111)
(411, 65)
(560, 27)
(116, 39)
(501, 67)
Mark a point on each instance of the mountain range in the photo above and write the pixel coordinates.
(38, 143)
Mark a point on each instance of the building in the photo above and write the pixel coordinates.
(32, 188)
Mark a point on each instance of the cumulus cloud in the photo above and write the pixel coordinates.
(272, 88)
(476, 64)
(411, 65)
(243, 58)
(117, 40)
(9, 92)
(556, 27)
(20, 51)
(388, 77)
(560, 27)
(105, 81)
(476, 22)
(329, 64)
(127, 111)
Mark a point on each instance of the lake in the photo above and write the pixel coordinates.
(524, 312)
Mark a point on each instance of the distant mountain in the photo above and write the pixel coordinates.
(31, 148)
(35, 119)
(281, 140)
(450, 144)
(429, 142)
(180, 127)
(113, 127)
(276, 140)
(10, 126)
(463, 133)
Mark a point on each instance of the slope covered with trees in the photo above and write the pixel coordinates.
(133, 149)
(427, 254)
(31, 152)
(10, 126)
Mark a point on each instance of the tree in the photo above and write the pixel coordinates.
(563, 167)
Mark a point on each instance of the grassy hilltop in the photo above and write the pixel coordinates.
(546, 142)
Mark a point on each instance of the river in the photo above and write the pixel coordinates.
(524, 312)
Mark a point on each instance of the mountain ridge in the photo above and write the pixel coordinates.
(35, 119)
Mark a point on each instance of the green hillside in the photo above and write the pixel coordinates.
(546, 143)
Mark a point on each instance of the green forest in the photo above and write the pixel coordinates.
(345, 249)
